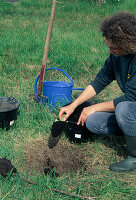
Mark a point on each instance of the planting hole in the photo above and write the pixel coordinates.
(62, 158)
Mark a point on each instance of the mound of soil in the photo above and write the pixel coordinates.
(64, 157)
(6, 167)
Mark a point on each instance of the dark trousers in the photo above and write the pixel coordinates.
(123, 119)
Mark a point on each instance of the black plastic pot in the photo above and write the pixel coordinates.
(77, 133)
(8, 111)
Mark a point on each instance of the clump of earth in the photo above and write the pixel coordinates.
(63, 157)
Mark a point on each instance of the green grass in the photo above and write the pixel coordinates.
(76, 47)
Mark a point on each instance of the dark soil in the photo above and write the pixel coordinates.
(8, 104)
(62, 158)
(6, 167)
(56, 154)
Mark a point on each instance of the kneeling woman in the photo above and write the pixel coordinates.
(119, 32)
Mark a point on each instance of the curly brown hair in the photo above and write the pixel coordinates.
(121, 30)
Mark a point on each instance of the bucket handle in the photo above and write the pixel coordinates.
(61, 70)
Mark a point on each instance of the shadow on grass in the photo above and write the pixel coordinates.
(115, 142)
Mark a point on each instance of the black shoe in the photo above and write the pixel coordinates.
(129, 163)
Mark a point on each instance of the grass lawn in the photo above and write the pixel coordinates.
(76, 47)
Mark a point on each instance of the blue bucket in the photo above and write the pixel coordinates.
(58, 93)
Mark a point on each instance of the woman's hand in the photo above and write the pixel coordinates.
(87, 94)
(107, 106)
(68, 110)
(85, 113)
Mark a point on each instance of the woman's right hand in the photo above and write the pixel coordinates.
(68, 110)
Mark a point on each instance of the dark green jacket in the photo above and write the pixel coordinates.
(123, 70)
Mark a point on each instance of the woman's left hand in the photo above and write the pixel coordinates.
(85, 113)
